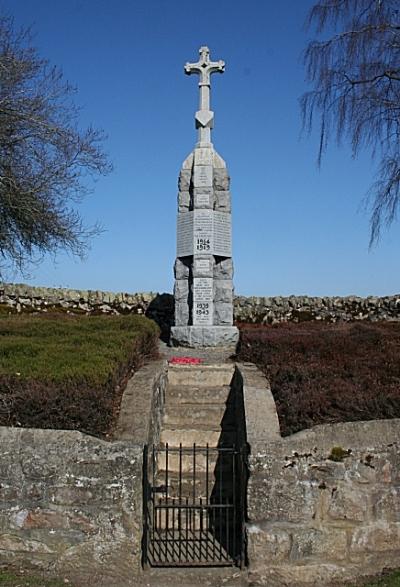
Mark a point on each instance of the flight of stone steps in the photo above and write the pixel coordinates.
(199, 420)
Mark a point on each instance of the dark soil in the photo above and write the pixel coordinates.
(322, 373)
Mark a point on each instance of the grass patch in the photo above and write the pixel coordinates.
(323, 373)
(387, 580)
(67, 372)
(9, 579)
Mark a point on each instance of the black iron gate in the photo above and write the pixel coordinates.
(193, 506)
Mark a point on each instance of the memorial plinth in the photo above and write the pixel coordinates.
(203, 289)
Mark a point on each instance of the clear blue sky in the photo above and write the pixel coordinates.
(296, 229)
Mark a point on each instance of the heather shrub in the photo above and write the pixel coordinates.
(68, 372)
(321, 373)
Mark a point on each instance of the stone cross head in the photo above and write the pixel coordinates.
(204, 67)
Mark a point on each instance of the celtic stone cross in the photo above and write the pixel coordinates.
(204, 116)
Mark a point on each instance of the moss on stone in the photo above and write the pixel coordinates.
(338, 454)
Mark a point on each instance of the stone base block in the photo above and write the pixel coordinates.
(204, 336)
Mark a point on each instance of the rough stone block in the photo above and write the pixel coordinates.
(223, 269)
(223, 313)
(202, 336)
(386, 503)
(267, 545)
(181, 289)
(198, 336)
(223, 291)
(223, 200)
(16, 544)
(221, 179)
(183, 201)
(276, 500)
(348, 504)
(181, 270)
(64, 495)
(181, 313)
(184, 180)
(180, 335)
(377, 537)
(329, 544)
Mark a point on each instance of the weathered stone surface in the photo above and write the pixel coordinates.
(223, 291)
(268, 544)
(181, 313)
(183, 201)
(223, 269)
(223, 313)
(87, 497)
(181, 289)
(198, 336)
(184, 180)
(221, 180)
(348, 504)
(181, 270)
(330, 544)
(336, 516)
(376, 537)
(223, 200)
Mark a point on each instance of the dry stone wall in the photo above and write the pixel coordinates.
(323, 505)
(271, 310)
(17, 298)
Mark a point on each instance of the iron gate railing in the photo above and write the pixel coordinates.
(193, 506)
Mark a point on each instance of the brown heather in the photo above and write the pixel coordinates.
(322, 373)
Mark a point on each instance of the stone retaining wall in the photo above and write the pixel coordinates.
(70, 505)
(23, 298)
(323, 504)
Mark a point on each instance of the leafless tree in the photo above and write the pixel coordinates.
(355, 73)
(46, 161)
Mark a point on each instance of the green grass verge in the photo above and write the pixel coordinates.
(68, 371)
(390, 580)
(8, 579)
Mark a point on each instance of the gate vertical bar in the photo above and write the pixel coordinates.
(189, 524)
(145, 508)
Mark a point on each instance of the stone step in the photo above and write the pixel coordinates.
(201, 438)
(198, 518)
(205, 417)
(201, 487)
(194, 394)
(188, 437)
(201, 375)
(187, 464)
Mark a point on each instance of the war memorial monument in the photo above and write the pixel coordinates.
(203, 290)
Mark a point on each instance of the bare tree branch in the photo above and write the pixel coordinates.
(356, 78)
(44, 157)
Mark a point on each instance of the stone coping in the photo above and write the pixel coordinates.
(263, 432)
(138, 405)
